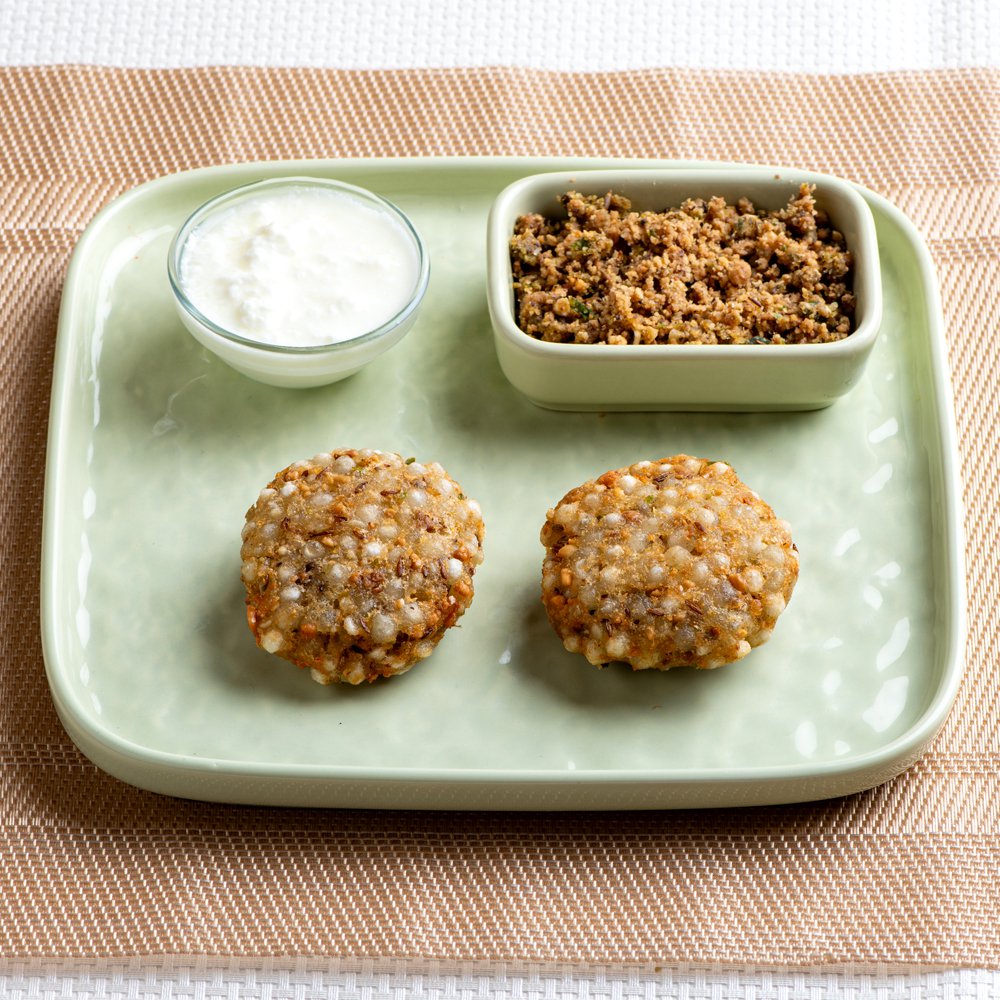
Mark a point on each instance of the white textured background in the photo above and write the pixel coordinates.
(311, 979)
(847, 36)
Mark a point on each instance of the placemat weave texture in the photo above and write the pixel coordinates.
(906, 873)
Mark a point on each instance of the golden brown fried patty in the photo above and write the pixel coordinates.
(357, 562)
(665, 564)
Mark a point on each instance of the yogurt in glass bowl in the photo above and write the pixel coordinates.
(298, 281)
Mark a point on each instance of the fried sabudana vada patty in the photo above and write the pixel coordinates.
(356, 563)
(668, 563)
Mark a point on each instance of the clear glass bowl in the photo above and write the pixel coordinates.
(294, 366)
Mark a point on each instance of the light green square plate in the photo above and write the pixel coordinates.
(156, 450)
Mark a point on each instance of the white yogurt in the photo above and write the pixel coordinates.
(300, 266)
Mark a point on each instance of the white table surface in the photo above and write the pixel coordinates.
(849, 36)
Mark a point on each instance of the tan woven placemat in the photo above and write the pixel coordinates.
(908, 872)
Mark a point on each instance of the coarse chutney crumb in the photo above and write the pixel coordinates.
(356, 563)
(666, 563)
(707, 272)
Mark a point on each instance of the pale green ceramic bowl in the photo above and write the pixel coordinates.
(286, 366)
(683, 377)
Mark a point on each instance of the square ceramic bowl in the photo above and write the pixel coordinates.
(681, 376)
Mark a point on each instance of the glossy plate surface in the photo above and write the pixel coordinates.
(157, 448)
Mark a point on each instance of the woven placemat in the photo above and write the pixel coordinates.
(906, 873)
